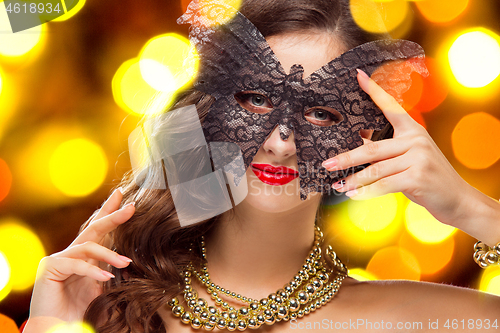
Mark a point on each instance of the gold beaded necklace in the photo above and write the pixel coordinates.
(311, 288)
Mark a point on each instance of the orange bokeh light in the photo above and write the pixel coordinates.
(389, 77)
(425, 93)
(417, 116)
(5, 179)
(414, 94)
(184, 5)
(394, 263)
(475, 140)
(432, 257)
(7, 325)
(441, 11)
(434, 89)
(412, 97)
(392, 76)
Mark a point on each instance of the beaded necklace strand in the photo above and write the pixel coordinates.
(311, 288)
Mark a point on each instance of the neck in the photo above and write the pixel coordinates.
(254, 253)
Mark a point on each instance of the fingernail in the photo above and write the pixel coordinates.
(363, 74)
(339, 184)
(330, 163)
(123, 258)
(351, 193)
(120, 189)
(131, 204)
(107, 274)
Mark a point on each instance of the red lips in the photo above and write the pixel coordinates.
(274, 175)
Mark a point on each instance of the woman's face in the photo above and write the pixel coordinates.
(277, 190)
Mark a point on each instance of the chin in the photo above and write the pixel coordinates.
(272, 198)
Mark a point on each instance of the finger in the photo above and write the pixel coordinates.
(366, 141)
(394, 112)
(392, 184)
(111, 204)
(368, 153)
(96, 231)
(91, 250)
(60, 269)
(373, 173)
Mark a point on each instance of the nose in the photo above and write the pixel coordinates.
(277, 147)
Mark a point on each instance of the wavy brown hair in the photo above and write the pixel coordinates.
(152, 237)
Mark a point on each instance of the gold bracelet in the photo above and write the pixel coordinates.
(485, 256)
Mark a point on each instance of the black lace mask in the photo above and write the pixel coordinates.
(235, 58)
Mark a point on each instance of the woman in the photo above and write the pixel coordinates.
(261, 244)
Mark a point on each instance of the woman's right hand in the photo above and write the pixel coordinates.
(69, 280)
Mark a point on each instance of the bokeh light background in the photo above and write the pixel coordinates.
(71, 92)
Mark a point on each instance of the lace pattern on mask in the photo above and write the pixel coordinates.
(235, 57)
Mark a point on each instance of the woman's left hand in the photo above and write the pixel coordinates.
(410, 163)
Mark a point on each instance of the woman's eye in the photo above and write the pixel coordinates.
(253, 102)
(258, 100)
(323, 116)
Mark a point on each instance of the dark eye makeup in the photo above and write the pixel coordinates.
(323, 116)
(253, 102)
(258, 103)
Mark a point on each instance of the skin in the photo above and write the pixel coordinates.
(259, 250)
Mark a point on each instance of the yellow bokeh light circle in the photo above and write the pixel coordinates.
(157, 75)
(72, 11)
(78, 167)
(139, 149)
(403, 30)
(368, 233)
(374, 214)
(33, 164)
(490, 280)
(5, 285)
(23, 250)
(9, 96)
(424, 227)
(75, 327)
(379, 16)
(147, 85)
(361, 274)
(474, 58)
(441, 11)
(132, 93)
(475, 140)
(168, 62)
(17, 45)
(215, 15)
(394, 262)
(1, 80)
(432, 257)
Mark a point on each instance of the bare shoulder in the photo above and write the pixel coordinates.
(403, 306)
(400, 298)
(397, 306)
